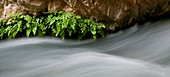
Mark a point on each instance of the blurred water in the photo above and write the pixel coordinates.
(141, 51)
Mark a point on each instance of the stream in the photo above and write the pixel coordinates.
(140, 51)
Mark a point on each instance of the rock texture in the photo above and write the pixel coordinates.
(116, 13)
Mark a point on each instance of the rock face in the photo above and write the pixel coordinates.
(116, 13)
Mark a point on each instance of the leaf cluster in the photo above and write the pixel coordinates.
(57, 24)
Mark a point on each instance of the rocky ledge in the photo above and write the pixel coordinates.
(115, 14)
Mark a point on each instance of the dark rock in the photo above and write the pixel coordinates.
(115, 13)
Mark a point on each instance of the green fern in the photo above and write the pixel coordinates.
(58, 23)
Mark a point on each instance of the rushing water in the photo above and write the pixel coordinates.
(141, 51)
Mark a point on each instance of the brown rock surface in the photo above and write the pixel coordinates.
(116, 13)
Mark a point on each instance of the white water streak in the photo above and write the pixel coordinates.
(141, 51)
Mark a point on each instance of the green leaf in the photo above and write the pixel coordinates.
(99, 27)
(58, 30)
(28, 18)
(78, 17)
(37, 20)
(52, 21)
(14, 34)
(55, 13)
(70, 32)
(57, 18)
(56, 34)
(28, 32)
(1, 22)
(9, 22)
(103, 26)
(19, 25)
(21, 16)
(62, 34)
(60, 12)
(35, 30)
(9, 37)
(9, 32)
(94, 37)
(1, 35)
(93, 32)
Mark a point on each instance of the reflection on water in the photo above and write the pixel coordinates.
(141, 51)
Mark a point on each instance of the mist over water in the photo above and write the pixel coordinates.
(141, 51)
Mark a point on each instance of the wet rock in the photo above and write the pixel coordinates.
(115, 13)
